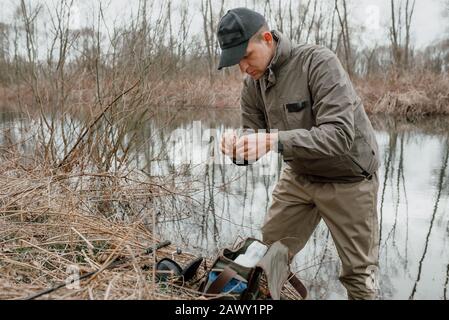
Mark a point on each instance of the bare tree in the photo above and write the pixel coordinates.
(63, 40)
(319, 26)
(5, 73)
(279, 17)
(184, 30)
(267, 10)
(409, 10)
(4, 41)
(302, 14)
(343, 19)
(401, 48)
(394, 34)
(210, 22)
(171, 37)
(312, 21)
(28, 15)
(290, 20)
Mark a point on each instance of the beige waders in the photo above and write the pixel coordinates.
(349, 211)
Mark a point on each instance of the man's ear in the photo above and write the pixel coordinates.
(267, 36)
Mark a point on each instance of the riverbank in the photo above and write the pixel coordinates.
(404, 95)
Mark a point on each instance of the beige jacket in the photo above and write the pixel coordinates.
(324, 132)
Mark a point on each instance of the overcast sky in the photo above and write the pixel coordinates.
(429, 23)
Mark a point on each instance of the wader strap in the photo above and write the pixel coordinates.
(298, 285)
(222, 280)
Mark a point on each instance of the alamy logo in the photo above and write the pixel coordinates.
(372, 21)
(72, 282)
(197, 145)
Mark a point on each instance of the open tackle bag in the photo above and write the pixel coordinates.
(237, 272)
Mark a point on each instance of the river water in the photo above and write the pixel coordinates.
(230, 202)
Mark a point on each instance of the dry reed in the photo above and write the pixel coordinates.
(52, 221)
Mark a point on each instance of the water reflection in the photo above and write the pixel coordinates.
(227, 202)
(412, 208)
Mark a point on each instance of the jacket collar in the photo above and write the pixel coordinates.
(282, 53)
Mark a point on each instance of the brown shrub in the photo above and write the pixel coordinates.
(411, 94)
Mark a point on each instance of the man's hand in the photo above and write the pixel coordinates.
(228, 142)
(252, 147)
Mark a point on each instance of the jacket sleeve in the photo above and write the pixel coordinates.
(252, 114)
(334, 102)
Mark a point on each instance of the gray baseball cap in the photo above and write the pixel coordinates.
(235, 30)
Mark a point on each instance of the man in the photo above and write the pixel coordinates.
(304, 99)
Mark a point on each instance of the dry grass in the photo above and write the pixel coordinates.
(184, 91)
(223, 93)
(408, 94)
(52, 220)
(411, 94)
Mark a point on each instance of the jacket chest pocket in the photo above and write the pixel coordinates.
(298, 113)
